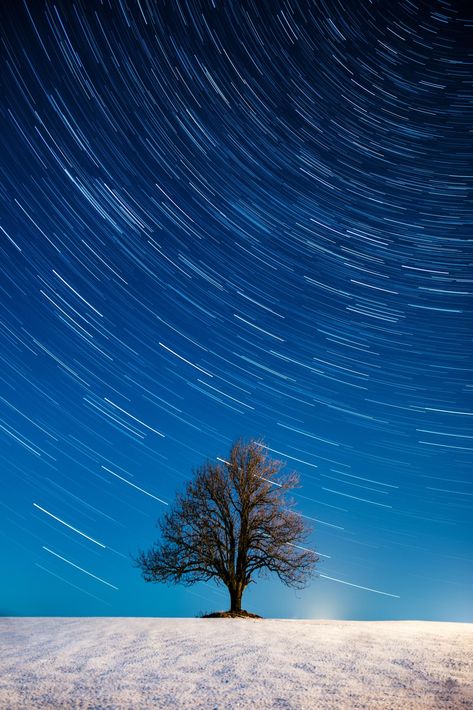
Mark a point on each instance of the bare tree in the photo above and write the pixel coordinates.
(232, 522)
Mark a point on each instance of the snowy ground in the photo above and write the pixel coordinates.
(105, 663)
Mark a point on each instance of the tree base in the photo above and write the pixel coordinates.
(231, 615)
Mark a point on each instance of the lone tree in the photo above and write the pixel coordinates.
(232, 522)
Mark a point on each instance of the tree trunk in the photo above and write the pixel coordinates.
(235, 598)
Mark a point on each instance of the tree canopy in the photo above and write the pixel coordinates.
(233, 522)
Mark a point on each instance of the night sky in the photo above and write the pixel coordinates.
(224, 219)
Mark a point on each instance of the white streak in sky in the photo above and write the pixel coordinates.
(364, 500)
(109, 401)
(369, 480)
(77, 294)
(81, 569)
(184, 360)
(68, 526)
(358, 586)
(133, 486)
(58, 576)
(307, 549)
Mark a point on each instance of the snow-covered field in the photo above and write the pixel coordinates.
(141, 663)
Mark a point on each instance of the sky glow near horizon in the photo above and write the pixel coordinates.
(237, 219)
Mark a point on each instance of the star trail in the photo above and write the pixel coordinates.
(224, 219)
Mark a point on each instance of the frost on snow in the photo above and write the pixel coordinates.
(232, 663)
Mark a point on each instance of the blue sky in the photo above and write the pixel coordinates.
(225, 220)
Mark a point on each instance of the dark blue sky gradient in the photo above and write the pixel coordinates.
(237, 219)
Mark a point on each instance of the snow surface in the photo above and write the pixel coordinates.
(106, 663)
